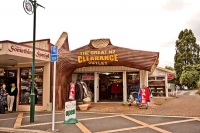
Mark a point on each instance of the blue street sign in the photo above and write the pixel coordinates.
(54, 58)
(54, 53)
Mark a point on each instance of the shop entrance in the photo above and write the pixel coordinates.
(8, 77)
(110, 86)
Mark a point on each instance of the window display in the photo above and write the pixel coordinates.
(26, 82)
(133, 84)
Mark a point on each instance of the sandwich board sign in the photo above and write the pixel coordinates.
(70, 112)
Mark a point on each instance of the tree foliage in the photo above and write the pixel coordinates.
(190, 76)
(187, 52)
(169, 68)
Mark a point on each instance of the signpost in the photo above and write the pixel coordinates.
(70, 112)
(54, 58)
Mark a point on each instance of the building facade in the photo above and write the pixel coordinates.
(99, 62)
(16, 67)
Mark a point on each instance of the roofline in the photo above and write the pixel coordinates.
(4, 41)
(166, 70)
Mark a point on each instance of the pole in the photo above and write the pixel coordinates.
(54, 95)
(32, 105)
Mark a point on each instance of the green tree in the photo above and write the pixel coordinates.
(190, 76)
(169, 68)
(187, 52)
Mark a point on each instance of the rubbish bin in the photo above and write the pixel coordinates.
(49, 106)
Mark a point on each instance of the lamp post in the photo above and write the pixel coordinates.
(30, 8)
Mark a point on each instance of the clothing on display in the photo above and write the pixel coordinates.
(144, 93)
(82, 91)
(3, 101)
(116, 88)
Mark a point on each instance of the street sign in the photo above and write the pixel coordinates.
(54, 53)
(54, 58)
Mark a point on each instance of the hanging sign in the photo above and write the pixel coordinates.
(72, 91)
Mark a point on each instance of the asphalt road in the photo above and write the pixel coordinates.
(101, 122)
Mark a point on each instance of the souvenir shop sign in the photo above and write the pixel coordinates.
(98, 57)
(27, 52)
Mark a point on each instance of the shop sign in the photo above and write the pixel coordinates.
(70, 110)
(98, 57)
(28, 51)
(87, 77)
(170, 76)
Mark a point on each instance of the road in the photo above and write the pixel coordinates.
(163, 118)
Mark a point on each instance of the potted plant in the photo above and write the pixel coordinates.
(87, 100)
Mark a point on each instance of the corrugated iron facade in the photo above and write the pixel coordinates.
(104, 69)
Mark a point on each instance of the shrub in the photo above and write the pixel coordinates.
(198, 85)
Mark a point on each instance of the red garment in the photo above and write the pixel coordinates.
(116, 89)
(144, 94)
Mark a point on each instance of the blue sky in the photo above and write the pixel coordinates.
(151, 25)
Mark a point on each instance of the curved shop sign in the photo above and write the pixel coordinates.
(97, 57)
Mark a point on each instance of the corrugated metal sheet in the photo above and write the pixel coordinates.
(104, 69)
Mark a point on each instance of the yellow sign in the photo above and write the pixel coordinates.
(97, 57)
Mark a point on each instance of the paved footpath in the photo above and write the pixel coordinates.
(174, 115)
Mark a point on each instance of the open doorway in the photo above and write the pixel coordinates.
(110, 86)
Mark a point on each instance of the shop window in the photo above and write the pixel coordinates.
(12, 73)
(26, 82)
(133, 83)
(3, 75)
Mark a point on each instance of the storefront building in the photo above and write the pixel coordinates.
(100, 62)
(16, 67)
(158, 81)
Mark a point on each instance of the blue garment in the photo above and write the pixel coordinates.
(138, 95)
(149, 94)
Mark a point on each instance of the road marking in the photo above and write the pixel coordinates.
(173, 122)
(145, 124)
(7, 119)
(158, 129)
(82, 128)
(18, 120)
(46, 123)
(167, 116)
(42, 115)
(122, 129)
(134, 120)
(12, 130)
